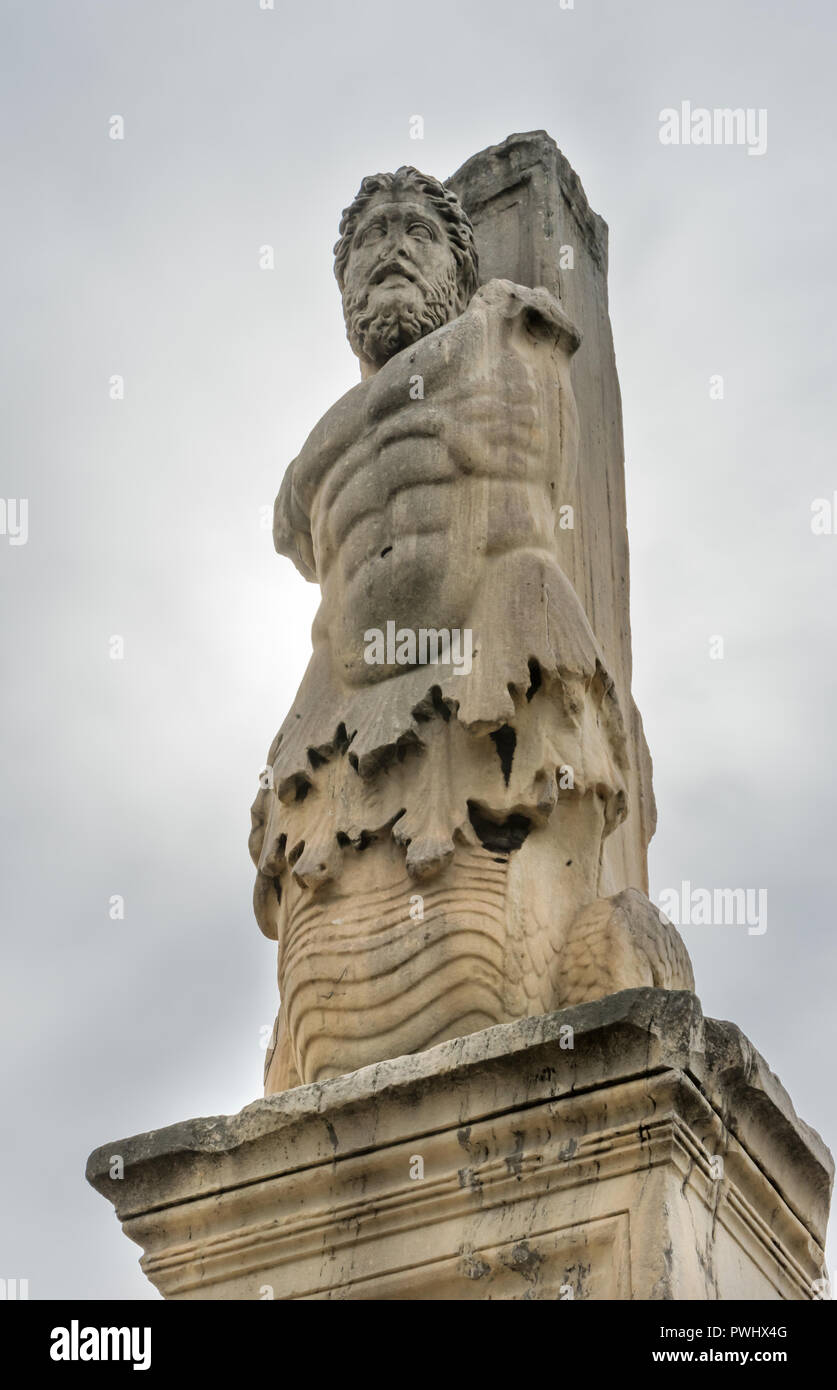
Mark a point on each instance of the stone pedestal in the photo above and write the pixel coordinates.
(624, 1149)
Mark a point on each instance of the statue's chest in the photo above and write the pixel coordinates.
(457, 406)
(457, 389)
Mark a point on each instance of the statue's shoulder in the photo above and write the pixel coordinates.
(331, 433)
(536, 311)
(326, 442)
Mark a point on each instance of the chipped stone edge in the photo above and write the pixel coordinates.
(716, 1055)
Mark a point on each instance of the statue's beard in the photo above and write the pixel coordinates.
(380, 321)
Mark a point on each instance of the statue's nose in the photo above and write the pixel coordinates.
(395, 245)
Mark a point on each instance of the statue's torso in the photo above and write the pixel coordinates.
(455, 454)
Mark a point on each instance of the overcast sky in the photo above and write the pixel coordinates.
(140, 258)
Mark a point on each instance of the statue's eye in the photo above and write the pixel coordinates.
(420, 231)
(373, 233)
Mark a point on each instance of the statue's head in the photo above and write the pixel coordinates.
(406, 262)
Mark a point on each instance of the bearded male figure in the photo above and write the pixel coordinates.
(429, 833)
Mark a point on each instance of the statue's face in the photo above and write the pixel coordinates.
(401, 277)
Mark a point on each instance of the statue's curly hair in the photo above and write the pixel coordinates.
(445, 204)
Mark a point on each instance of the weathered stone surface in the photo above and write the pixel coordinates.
(432, 835)
(527, 206)
(443, 851)
(549, 1171)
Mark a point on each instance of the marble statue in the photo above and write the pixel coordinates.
(430, 828)
(489, 1077)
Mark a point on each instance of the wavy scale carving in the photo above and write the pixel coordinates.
(363, 979)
